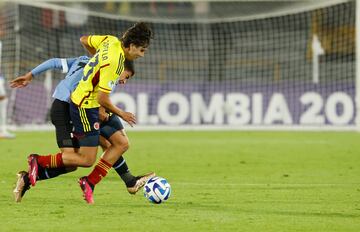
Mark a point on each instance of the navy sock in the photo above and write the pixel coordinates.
(48, 173)
(123, 171)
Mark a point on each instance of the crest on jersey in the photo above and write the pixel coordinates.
(96, 126)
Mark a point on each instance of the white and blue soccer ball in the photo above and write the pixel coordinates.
(157, 190)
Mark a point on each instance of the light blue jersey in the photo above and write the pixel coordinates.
(72, 66)
(72, 78)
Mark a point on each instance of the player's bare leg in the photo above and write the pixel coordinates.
(119, 145)
(133, 183)
(85, 157)
(113, 157)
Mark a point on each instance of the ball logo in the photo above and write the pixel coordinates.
(157, 190)
(96, 126)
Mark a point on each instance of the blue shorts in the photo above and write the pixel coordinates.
(108, 128)
(86, 125)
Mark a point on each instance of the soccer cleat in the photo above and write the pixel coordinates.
(22, 185)
(33, 168)
(87, 190)
(140, 182)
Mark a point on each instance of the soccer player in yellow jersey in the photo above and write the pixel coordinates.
(101, 74)
(110, 126)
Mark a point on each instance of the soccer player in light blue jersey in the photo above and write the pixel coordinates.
(60, 117)
(59, 111)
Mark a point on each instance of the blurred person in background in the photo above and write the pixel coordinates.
(4, 133)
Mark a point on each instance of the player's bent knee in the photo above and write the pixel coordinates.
(87, 156)
(104, 143)
(125, 146)
(124, 143)
(88, 164)
(119, 140)
(89, 161)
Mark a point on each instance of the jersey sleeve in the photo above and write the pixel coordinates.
(95, 41)
(54, 63)
(67, 63)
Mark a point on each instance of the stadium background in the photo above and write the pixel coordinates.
(235, 65)
(244, 64)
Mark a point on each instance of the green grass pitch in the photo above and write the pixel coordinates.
(221, 181)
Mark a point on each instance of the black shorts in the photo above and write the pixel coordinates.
(108, 128)
(86, 125)
(60, 118)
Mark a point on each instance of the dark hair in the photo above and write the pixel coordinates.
(129, 65)
(139, 35)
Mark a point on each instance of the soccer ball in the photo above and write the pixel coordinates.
(157, 190)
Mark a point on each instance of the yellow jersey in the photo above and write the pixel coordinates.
(101, 73)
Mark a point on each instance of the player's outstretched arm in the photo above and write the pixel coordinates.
(21, 81)
(53, 63)
(104, 101)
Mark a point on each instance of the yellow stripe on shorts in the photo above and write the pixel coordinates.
(84, 120)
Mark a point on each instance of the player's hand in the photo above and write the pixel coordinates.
(103, 115)
(21, 81)
(129, 118)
